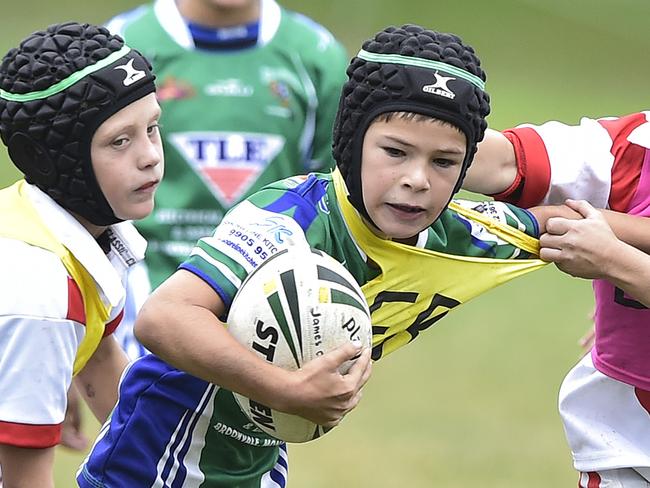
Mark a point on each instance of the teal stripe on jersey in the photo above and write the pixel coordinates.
(217, 255)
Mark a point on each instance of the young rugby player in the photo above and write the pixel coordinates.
(79, 117)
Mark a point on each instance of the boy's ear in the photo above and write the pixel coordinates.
(32, 159)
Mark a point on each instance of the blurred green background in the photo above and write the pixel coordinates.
(473, 401)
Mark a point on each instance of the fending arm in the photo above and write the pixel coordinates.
(494, 168)
(589, 248)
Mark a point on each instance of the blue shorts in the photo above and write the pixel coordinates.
(171, 429)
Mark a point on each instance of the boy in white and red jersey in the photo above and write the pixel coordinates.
(605, 399)
(78, 115)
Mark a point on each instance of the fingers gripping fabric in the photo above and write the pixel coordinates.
(56, 88)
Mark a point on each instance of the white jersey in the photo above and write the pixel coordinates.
(42, 318)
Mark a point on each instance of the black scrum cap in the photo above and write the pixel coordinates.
(408, 69)
(56, 89)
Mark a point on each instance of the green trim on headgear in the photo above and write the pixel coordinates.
(67, 82)
(422, 63)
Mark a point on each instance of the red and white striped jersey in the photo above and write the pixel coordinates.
(42, 318)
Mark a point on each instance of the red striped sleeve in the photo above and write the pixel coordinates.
(28, 435)
(76, 310)
(533, 168)
(594, 480)
(628, 159)
(112, 325)
(644, 398)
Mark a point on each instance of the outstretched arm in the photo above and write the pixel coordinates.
(631, 229)
(494, 168)
(179, 323)
(588, 248)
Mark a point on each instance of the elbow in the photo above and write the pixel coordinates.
(145, 328)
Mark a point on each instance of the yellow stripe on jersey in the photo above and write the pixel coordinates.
(19, 220)
(417, 287)
(509, 234)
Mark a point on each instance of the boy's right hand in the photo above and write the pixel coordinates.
(320, 393)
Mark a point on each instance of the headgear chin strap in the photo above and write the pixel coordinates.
(56, 89)
(412, 70)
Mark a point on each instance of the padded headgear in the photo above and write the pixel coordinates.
(56, 89)
(408, 69)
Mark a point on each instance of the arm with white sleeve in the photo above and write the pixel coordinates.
(599, 160)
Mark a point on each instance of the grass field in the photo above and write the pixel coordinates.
(473, 402)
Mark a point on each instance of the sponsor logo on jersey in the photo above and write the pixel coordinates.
(244, 438)
(478, 231)
(228, 162)
(132, 74)
(173, 89)
(120, 249)
(274, 74)
(231, 87)
(282, 83)
(440, 86)
(282, 93)
(294, 181)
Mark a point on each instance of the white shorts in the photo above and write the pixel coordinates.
(605, 422)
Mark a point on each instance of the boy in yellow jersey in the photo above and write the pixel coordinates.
(78, 114)
(409, 120)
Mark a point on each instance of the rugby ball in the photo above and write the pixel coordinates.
(296, 306)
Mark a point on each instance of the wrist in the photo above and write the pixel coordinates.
(619, 266)
(277, 388)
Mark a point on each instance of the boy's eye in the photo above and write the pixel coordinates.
(393, 151)
(153, 129)
(119, 142)
(444, 163)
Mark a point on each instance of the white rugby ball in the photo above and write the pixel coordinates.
(296, 306)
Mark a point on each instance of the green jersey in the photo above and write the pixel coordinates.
(232, 121)
(170, 428)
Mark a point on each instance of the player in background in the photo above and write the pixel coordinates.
(409, 119)
(249, 93)
(79, 117)
(605, 399)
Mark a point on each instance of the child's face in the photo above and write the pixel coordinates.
(127, 157)
(409, 170)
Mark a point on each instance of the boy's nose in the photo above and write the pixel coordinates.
(416, 177)
(151, 154)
